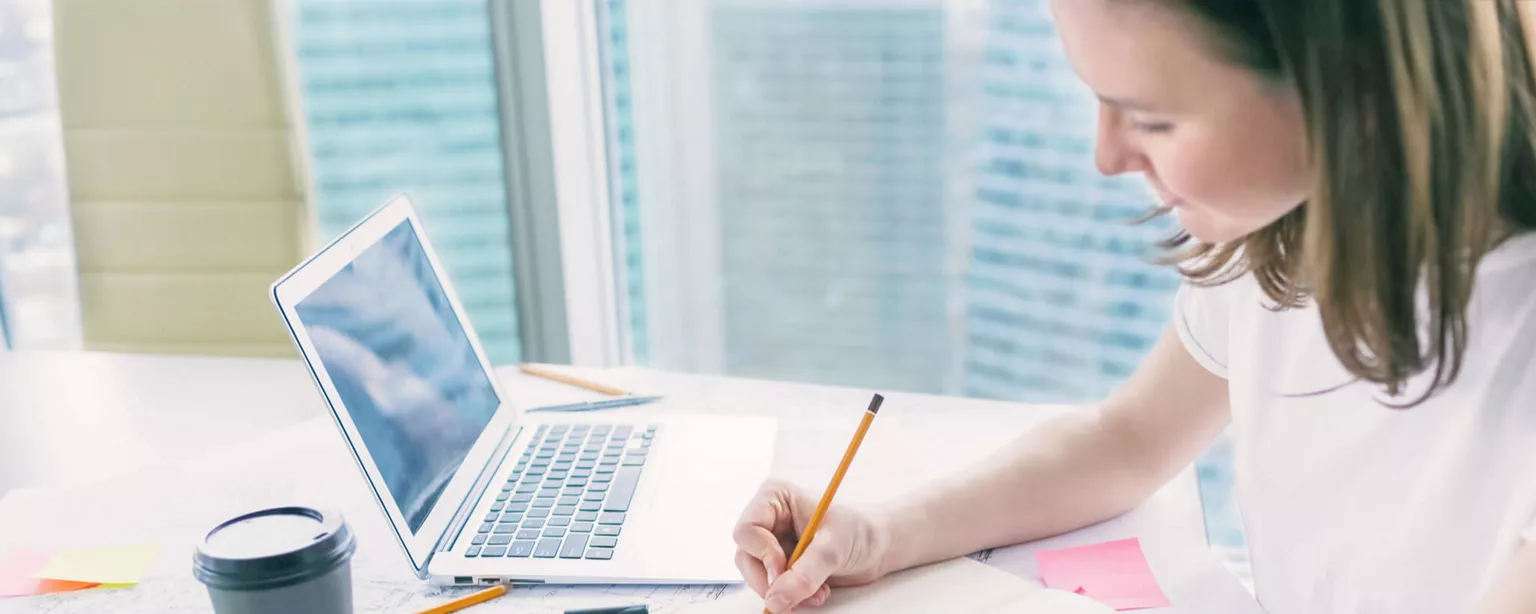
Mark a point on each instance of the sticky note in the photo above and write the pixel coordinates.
(103, 565)
(1114, 573)
(17, 571)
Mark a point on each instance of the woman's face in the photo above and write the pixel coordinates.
(1220, 145)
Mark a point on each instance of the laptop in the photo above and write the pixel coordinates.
(477, 490)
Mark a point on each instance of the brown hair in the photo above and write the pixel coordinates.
(1419, 116)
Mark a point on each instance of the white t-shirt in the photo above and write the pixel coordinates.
(1353, 507)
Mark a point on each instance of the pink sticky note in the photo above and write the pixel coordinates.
(1115, 574)
(17, 569)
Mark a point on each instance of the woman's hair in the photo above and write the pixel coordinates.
(1419, 122)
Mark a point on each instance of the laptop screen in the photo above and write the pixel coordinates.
(403, 366)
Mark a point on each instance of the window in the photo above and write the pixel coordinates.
(401, 97)
(898, 195)
(39, 301)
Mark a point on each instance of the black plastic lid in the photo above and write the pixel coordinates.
(273, 548)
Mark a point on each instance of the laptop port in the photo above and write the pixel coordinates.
(489, 581)
(463, 580)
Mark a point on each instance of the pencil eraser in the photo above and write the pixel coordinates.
(874, 404)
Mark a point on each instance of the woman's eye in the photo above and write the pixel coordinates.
(1152, 127)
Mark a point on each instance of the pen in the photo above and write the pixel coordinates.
(837, 479)
(468, 600)
(537, 371)
(596, 405)
(623, 609)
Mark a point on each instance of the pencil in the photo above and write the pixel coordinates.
(837, 479)
(468, 600)
(537, 371)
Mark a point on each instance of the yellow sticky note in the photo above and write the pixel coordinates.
(104, 565)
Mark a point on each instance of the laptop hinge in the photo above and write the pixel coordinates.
(467, 506)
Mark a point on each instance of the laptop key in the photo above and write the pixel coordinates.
(571, 491)
(558, 521)
(549, 492)
(506, 527)
(533, 523)
(526, 488)
(528, 534)
(609, 530)
(560, 467)
(521, 549)
(611, 518)
(548, 548)
(544, 502)
(600, 554)
(603, 542)
(598, 488)
(501, 540)
(574, 546)
(577, 482)
(637, 451)
(496, 507)
(522, 497)
(634, 461)
(491, 517)
(493, 551)
(486, 528)
(601, 478)
(569, 500)
(502, 496)
(566, 510)
(517, 507)
(558, 473)
(591, 506)
(623, 490)
(594, 496)
(512, 517)
(534, 471)
(554, 532)
(586, 517)
(539, 512)
(587, 463)
(582, 473)
(581, 527)
(606, 470)
(479, 540)
(473, 551)
(645, 444)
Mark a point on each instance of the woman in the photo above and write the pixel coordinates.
(1357, 179)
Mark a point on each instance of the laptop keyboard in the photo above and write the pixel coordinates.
(568, 495)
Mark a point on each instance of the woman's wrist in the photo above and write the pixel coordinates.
(904, 529)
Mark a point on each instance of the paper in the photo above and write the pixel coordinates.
(120, 566)
(1114, 573)
(17, 575)
(959, 585)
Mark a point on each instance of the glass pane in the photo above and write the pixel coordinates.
(401, 97)
(39, 302)
(898, 195)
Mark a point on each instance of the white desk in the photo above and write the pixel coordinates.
(206, 477)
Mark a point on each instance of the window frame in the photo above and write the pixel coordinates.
(549, 84)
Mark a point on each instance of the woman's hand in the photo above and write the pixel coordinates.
(848, 550)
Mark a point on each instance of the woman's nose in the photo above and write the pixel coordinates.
(1111, 153)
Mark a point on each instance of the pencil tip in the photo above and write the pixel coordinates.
(874, 404)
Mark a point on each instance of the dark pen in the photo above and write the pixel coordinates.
(623, 609)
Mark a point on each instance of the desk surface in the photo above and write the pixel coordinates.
(132, 425)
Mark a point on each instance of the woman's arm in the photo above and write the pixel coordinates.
(1079, 469)
(1515, 590)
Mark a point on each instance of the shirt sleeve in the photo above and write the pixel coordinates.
(1202, 315)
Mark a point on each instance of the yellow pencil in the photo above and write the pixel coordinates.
(469, 600)
(837, 479)
(537, 371)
